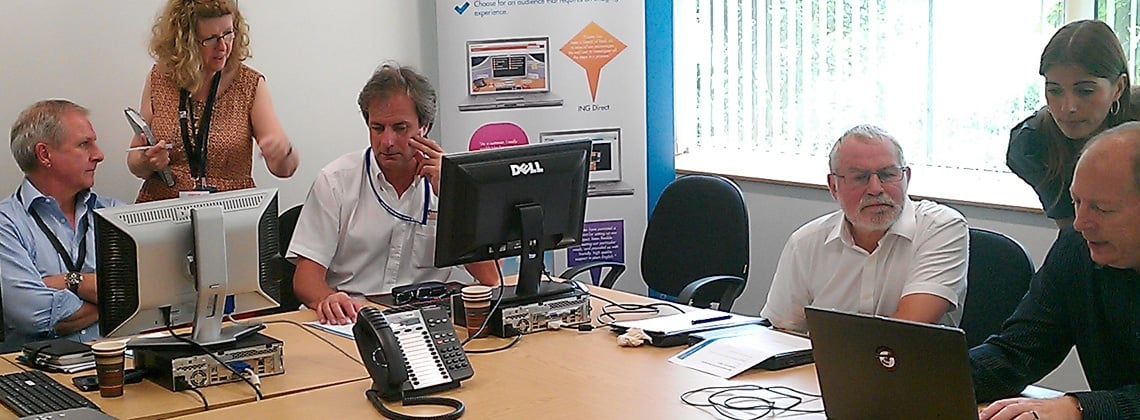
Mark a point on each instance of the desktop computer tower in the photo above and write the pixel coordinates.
(179, 368)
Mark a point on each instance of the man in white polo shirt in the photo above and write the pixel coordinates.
(882, 253)
(369, 222)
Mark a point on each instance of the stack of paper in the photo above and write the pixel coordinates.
(727, 353)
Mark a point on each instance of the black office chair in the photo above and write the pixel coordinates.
(998, 277)
(612, 271)
(288, 222)
(695, 246)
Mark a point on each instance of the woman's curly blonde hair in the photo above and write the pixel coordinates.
(174, 42)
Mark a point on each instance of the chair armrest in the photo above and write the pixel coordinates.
(608, 281)
(734, 287)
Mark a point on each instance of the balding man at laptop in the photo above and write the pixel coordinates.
(881, 254)
(1086, 294)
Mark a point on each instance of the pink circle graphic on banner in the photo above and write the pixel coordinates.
(497, 134)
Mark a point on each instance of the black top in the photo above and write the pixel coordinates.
(1026, 158)
(1071, 302)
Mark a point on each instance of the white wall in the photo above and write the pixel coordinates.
(775, 211)
(315, 55)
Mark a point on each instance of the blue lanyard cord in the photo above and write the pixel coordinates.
(389, 209)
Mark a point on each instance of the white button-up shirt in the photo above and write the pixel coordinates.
(925, 251)
(366, 249)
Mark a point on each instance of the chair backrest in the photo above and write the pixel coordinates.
(288, 222)
(698, 229)
(998, 277)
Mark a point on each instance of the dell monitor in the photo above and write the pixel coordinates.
(520, 200)
(187, 260)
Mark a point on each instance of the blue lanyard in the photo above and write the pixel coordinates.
(389, 209)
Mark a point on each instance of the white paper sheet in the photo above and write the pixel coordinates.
(729, 356)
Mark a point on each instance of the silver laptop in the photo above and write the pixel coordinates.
(605, 158)
(872, 367)
(508, 73)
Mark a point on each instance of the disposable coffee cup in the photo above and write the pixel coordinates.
(476, 308)
(109, 367)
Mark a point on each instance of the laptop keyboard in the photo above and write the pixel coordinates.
(33, 392)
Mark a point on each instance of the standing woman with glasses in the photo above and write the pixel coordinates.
(1087, 90)
(205, 107)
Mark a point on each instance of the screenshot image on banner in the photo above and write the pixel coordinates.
(605, 158)
(508, 73)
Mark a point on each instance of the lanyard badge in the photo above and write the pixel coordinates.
(389, 209)
(194, 138)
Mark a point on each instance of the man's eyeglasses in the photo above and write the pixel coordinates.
(212, 42)
(422, 292)
(888, 175)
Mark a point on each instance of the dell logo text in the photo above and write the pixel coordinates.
(528, 168)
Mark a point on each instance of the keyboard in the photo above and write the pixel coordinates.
(33, 392)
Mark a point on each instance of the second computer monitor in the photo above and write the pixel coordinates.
(179, 261)
(519, 200)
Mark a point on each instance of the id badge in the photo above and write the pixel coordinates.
(200, 188)
(192, 193)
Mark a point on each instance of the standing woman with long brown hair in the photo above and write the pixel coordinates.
(205, 105)
(1087, 90)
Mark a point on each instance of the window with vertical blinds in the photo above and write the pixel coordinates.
(771, 81)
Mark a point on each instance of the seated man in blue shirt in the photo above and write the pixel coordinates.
(47, 241)
(1086, 294)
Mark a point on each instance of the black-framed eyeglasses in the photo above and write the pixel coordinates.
(421, 292)
(212, 42)
(887, 175)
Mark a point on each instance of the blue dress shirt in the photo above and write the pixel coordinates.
(31, 308)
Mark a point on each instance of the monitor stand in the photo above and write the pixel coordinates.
(546, 289)
(228, 334)
(209, 268)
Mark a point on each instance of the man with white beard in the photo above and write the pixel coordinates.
(882, 253)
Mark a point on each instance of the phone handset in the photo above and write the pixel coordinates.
(384, 357)
(380, 352)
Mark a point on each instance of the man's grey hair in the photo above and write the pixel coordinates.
(865, 131)
(391, 78)
(1130, 132)
(42, 122)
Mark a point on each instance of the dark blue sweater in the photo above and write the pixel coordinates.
(1071, 302)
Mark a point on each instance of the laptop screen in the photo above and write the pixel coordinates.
(876, 367)
(512, 66)
(605, 156)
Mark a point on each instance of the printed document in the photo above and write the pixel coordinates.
(729, 355)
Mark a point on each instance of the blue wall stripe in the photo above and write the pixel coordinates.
(658, 98)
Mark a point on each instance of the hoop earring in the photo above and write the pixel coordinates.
(1114, 108)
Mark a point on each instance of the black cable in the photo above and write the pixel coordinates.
(629, 308)
(500, 348)
(741, 402)
(457, 406)
(205, 404)
(622, 308)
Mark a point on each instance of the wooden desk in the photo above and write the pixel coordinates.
(309, 363)
(552, 374)
(7, 366)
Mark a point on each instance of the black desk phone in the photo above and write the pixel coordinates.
(410, 354)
